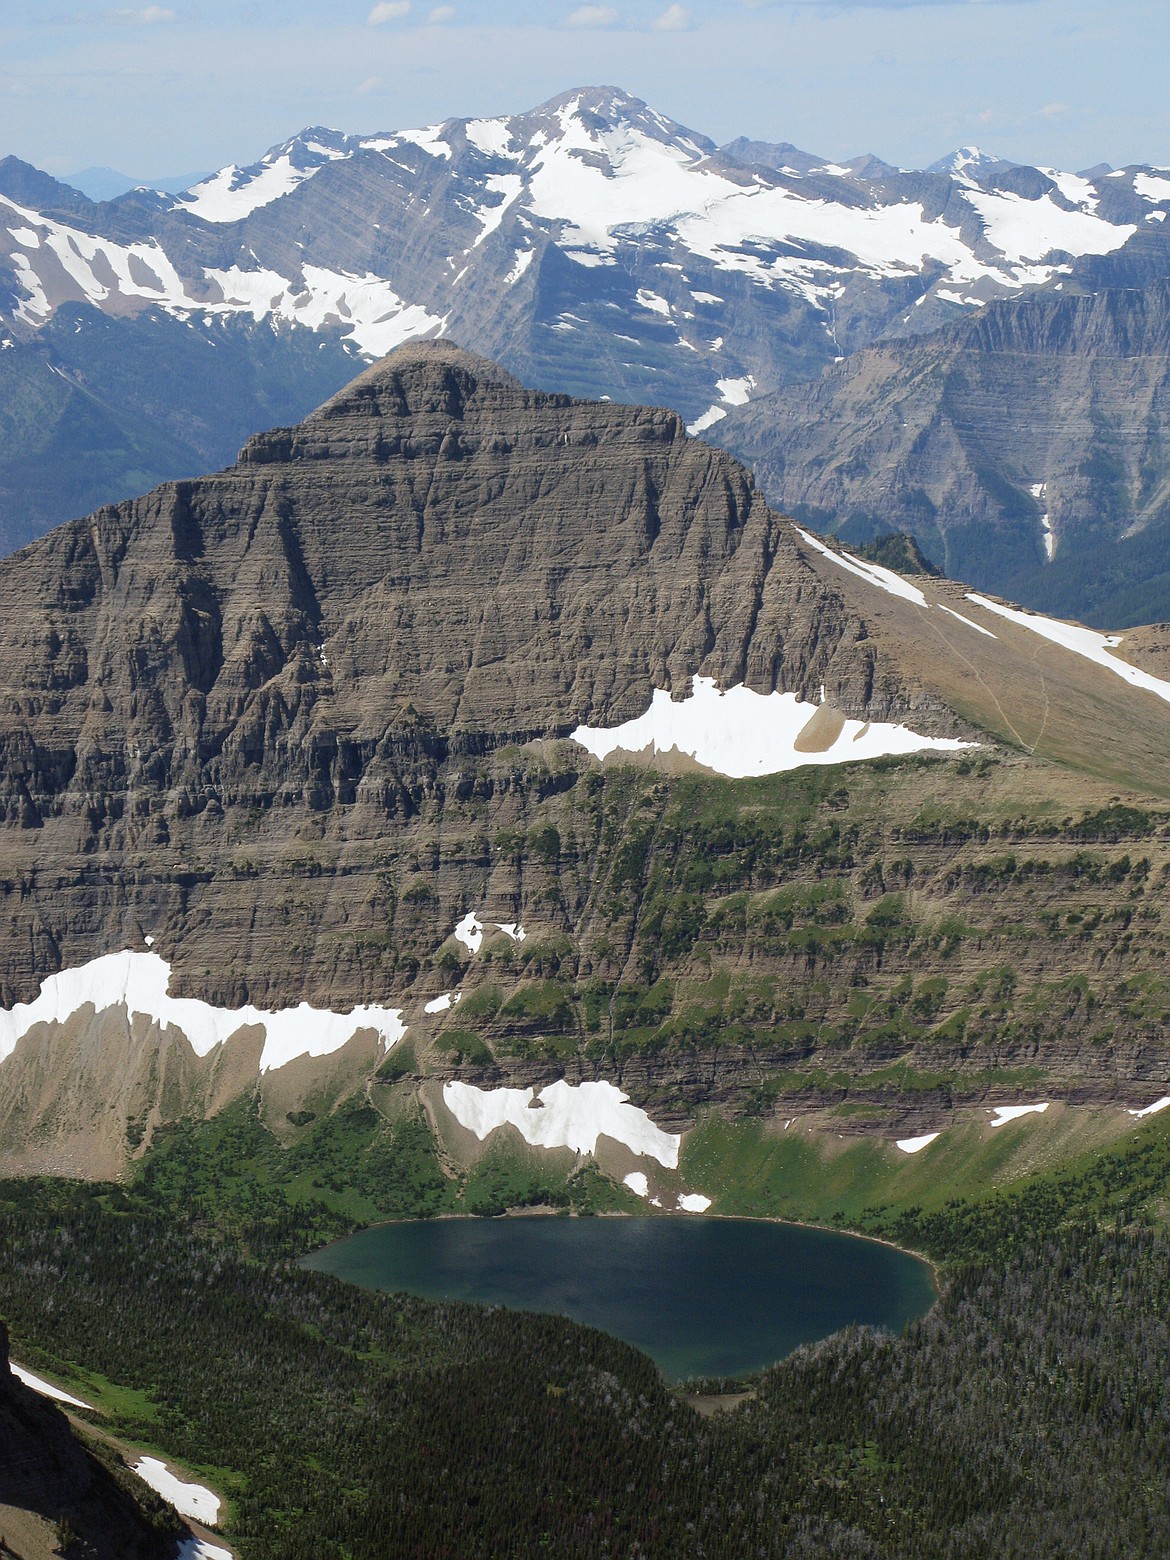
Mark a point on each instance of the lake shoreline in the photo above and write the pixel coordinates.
(704, 1297)
(548, 1211)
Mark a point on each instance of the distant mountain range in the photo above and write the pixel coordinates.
(107, 183)
(595, 247)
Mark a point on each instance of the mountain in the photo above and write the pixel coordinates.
(1024, 448)
(969, 162)
(469, 735)
(592, 246)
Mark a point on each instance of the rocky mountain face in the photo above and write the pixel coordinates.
(1024, 448)
(591, 245)
(301, 727)
(54, 1491)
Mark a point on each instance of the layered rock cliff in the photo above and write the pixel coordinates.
(289, 724)
(1024, 448)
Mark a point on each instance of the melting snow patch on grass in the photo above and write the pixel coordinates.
(1152, 1110)
(563, 1115)
(189, 1500)
(741, 733)
(915, 1145)
(140, 982)
(694, 1202)
(1006, 1113)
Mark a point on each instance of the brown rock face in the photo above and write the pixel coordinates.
(435, 565)
(293, 721)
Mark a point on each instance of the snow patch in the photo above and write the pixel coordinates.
(694, 1202)
(201, 1549)
(470, 932)
(429, 138)
(741, 733)
(710, 417)
(978, 627)
(915, 1145)
(1028, 230)
(1006, 1113)
(47, 1389)
(1086, 642)
(732, 392)
(443, 1003)
(1152, 1110)
(523, 261)
(189, 1500)
(736, 392)
(637, 1183)
(872, 573)
(231, 194)
(509, 187)
(567, 1116)
(139, 982)
(1038, 491)
(1150, 187)
(376, 317)
(490, 136)
(512, 929)
(653, 302)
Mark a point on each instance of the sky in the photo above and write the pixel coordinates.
(163, 89)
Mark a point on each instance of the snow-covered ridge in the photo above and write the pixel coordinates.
(139, 982)
(741, 733)
(562, 1115)
(593, 171)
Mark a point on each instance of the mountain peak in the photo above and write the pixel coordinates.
(415, 360)
(603, 108)
(966, 160)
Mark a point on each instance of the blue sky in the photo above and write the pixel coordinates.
(160, 89)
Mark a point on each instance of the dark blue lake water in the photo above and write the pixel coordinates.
(702, 1297)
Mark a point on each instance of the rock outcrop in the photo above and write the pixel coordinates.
(57, 1497)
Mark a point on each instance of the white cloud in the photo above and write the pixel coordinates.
(366, 86)
(676, 18)
(442, 13)
(593, 16)
(387, 11)
(1055, 110)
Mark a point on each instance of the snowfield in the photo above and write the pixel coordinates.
(915, 1145)
(562, 1115)
(741, 733)
(47, 1389)
(189, 1500)
(139, 982)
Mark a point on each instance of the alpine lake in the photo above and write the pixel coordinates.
(700, 1296)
